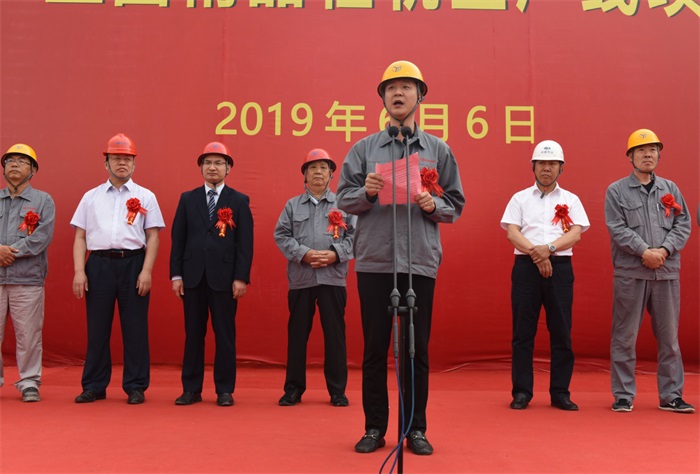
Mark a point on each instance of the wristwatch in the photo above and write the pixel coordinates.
(551, 248)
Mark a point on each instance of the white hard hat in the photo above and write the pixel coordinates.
(548, 150)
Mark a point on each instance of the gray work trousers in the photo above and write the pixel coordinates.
(661, 298)
(25, 304)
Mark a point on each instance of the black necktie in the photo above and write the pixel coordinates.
(212, 203)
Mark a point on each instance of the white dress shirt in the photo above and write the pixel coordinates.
(534, 215)
(102, 214)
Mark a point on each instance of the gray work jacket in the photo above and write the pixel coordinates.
(374, 235)
(304, 226)
(31, 264)
(637, 220)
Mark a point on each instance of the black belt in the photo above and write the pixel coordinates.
(118, 253)
(552, 258)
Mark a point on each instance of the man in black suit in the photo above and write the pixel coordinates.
(210, 260)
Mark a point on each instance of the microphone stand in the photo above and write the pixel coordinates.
(410, 294)
(395, 309)
(409, 309)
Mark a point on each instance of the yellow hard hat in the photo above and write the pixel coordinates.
(643, 136)
(402, 70)
(21, 149)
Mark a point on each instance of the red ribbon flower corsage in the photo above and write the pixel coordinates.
(335, 218)
(133, 205)
(31, 219)
(225, 215)
(429, 181)
(669, 203)
(562, 214)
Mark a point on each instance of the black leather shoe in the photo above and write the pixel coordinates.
(370, 442)
(565, 404)
(224, 400)
(291, 397)
(188, 398)
(418, 443)
(520, 402)
(339, 400)
(88, 396)
(136, 397)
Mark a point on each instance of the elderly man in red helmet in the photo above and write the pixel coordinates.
(649, 223)
(118, 223)
(441, 201)
(316, 238)
(27, 218)
(210, 260)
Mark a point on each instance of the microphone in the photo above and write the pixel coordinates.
(406, 132)
(392, 131)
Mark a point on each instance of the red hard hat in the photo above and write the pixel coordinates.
(215, 148)
(120, 144)
(317, 154)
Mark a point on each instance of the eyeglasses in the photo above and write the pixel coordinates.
(217, 163)
(19, 161)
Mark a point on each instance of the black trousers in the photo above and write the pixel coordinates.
(199, 302)
(529, 292)
(111, 279)
(375, 290)
(331, 307)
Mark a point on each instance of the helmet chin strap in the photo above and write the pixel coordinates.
(16, 188)
(631, 157)
(420, 99)
(553, 183)
(216, 185)
(111, 173)
(650, 173)
(306, 188)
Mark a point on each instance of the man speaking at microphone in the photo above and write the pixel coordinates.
(402, 89)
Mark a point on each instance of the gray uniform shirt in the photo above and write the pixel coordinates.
(637, 220)
(374, 235)
(31, 264)
(303, 226)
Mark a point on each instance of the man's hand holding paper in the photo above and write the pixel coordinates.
(384, 171)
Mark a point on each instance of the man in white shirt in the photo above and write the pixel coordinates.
(118, 223)
(543, 223)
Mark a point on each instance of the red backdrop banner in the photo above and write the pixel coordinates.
(273, 79)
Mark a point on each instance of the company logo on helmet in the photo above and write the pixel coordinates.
(643, 135)
(397, 68)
